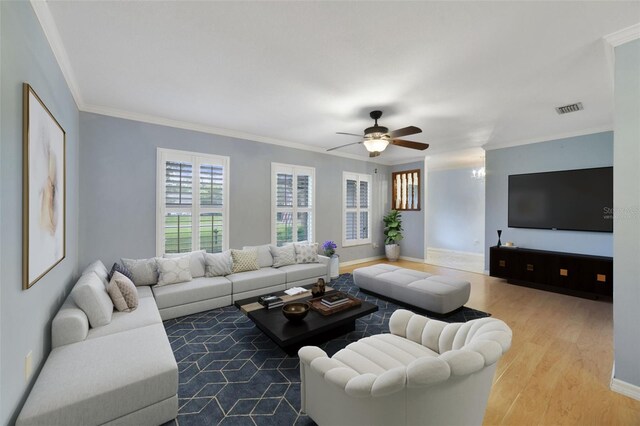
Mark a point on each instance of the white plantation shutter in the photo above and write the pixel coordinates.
(356, 216)
(192, 202)
(293, 207)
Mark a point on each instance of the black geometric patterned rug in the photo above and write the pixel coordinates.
(230, 373)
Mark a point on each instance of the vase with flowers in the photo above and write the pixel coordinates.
(329, 248)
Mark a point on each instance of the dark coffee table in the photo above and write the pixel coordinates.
(312, 330)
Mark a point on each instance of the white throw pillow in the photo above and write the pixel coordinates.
(264, 254)
(175, 270)
(197, 262)
(144, 271)
(91, 296)
(283, 256)
(306, 253)
(218, 264)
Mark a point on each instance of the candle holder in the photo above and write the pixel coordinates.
(499, 235)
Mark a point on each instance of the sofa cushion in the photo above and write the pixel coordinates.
(245, 260)
(193, 291)
(264, 254)
(196, 262)
(145, 314)
(303, 271)
(218, 264)
(99, 269)
(91, 296)
(174, 270)
(254, 280)
(103, 379)
(70, 325)
(123, 293)
(144, 271)
(144, 291)
(282, 256)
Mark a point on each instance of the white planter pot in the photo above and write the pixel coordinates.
(334, 267)
(392, 251)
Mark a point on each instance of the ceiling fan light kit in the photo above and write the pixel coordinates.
(376, 138)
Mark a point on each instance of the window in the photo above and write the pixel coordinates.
(293, 204)
(356, 216)
(193, 200)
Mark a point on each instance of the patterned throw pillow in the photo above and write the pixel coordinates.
(174, 270)
(283, 256)
(197, 262)
(144, 271)
(306, 253)
(245, 260)
(119, 268)
(218, 264)
(123, 293)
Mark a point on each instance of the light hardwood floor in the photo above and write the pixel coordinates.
(558, 369)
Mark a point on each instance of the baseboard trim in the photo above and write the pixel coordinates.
(459, 252)
(626, 389)
(413, 259)
(356, 261)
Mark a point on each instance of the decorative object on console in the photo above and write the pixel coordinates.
(393, 234)
(377, 138)
(406, 190)
(295, 311)
(43, 195)
(318, 289)
(499, 235)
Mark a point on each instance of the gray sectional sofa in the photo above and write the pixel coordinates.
(124, 372)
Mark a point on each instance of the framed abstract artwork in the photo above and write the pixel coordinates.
(406, 190)
(43, 189)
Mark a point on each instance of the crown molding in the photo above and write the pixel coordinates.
(41, 9)
(178, 124)
(623, 36)
(499, 145)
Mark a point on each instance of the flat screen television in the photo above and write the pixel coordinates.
(575, 200)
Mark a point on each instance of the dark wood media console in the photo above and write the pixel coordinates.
(575, 274)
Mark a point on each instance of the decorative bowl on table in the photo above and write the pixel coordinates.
(295, 311)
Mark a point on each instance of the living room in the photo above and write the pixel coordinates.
(259, 91)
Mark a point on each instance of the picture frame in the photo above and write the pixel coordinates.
(44, 189)
(406, 189)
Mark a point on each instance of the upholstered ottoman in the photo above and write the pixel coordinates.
(434, 293)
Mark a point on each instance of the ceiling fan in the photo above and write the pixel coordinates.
(377, 138)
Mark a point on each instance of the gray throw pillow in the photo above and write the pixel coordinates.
(264, 254)
(306, 253)
(175, 270)
(91, 296)
(218, 264)
(197, 262)
(144, 271)
(283, 256)
(123, 293)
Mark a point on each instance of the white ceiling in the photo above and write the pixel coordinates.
(470, 74)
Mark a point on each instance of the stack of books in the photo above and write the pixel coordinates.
(334, 300)
(270, 301)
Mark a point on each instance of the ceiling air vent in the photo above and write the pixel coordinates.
(569, 108)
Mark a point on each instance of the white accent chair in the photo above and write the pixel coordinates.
(425, 372)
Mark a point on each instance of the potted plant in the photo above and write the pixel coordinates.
(329, 248)
(392, 234)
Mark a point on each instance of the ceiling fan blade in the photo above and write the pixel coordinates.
(410, 144)
(342, 146)
(350, 134)
(374, 154)
(405, 131)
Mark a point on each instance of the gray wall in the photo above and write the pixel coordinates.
(118, 187)
(595, 150)
(26, 315)
(412, 221)
(626, 202)
(455, 210)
